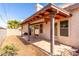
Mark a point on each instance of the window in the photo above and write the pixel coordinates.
(37, 26)
(37, 29)
(41, 28)
(64, 28)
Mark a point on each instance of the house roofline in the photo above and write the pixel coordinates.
(45, 8)
(72, 6)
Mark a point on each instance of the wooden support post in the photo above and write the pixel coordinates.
(28, 32)
(21, 30)
(52, 16)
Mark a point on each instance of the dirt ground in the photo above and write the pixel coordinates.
(24, 49)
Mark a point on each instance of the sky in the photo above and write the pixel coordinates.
(17, 11)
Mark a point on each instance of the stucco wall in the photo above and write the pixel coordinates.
(75, 28)
(46, 31)
(25, 28)
(73, 38)
(63, 39)
(13, 32)
(3, 33)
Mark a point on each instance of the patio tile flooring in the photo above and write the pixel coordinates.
(59, 49)
(43, 45)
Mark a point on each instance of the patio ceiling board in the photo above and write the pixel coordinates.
(46, 11)
(34, 19)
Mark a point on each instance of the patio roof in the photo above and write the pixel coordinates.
(44, 12)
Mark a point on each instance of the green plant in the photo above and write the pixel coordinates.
(13, 24)
(8, 50)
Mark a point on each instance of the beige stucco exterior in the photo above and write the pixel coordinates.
(24, 28)
(46, 29)
(73, 30)
(73, 38)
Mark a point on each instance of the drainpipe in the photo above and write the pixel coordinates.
(52, 18)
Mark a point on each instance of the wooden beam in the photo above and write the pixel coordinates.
(49, 9)
(38, 17)
(46, 13)
(37, 23)
(61, 14)
(46, 20)
(57, 18)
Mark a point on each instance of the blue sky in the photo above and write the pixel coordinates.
(17, 11)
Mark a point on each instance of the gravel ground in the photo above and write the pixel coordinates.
(24, 49)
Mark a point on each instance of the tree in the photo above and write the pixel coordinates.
(13, 24)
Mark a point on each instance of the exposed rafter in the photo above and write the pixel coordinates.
(44, 12)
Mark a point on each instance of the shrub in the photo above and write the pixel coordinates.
(8, 50)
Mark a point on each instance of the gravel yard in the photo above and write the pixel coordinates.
(24, 49)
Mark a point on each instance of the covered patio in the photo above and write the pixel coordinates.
(49, 13)
(58, 48)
